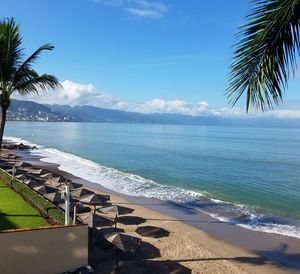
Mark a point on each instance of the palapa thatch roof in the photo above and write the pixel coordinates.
(75, 185)
(94, 199)
(56, 181)
(95, 220)
(123, 241)
(18, 171)
(80, 208)
(23, 164)
(21, 177)
(35, 171)
(54, 197)
(33, 183)
(6, 165)
(45, 189)
(116, 210)
(48, 175)
(81, 192)
(72, 184)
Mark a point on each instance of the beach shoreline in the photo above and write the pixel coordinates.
(223, 247)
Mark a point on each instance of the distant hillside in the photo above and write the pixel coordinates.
(31, 111)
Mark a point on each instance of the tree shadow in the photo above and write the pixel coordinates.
(6, 223)
(281, 258)
(247, 260)
(150, 267)
(185, 221)
(164, 267)
(278, 258)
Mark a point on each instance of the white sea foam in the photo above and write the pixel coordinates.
(136, 185)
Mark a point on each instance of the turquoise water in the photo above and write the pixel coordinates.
(248, 176)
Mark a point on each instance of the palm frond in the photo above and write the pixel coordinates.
(266, 53)
(36, 84)
(29, 61)
(10, 49)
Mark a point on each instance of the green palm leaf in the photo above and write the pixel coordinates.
(30, 61)
(37, 84)
(17, 74)
(266, 53)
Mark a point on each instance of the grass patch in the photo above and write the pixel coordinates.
(45, 207)
(15, 212)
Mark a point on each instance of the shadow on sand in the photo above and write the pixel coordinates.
(152, 231)
(131, 220)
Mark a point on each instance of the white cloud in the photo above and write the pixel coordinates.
(144, 12)
(229, 112)
(139, 8)
(173, 106)
(76, 94)
(280, 113)
(284, 113)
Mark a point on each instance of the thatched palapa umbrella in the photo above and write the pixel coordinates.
(80, 208)
(48, 175)
(21, 177)
(33, 183)
(124, 242)
(45, 189)
(116, 210)
(54, 197)
(72, 184)
(56, 181)
(81, 192)
(95, 199)
(16, 171)
(35, 171)
(75, 185)
(95, 220)
(23, 164)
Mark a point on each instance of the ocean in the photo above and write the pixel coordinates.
(242, 175)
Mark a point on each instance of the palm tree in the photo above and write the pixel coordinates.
(266, 54)
(16, 73)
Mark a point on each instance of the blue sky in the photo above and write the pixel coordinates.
(140, 55)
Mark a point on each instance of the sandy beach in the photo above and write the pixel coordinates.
(196, 242)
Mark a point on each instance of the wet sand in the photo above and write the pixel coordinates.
(196, 243)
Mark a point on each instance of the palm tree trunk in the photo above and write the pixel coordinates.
(2, 126)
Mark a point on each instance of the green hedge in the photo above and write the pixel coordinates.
(50, 211)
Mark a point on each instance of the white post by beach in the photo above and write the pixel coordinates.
(67, 203)
(13, 173)
(74, 215)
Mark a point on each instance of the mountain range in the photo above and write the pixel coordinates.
(32, 111)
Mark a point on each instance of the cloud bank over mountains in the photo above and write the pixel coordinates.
(87, 94)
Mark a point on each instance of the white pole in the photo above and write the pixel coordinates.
(13, 174)
(67, 202)
(74, 215)
(14, 171)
